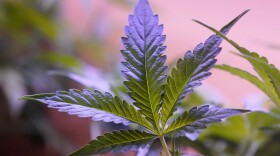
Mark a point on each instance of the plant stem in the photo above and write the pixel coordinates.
(164, 145)
(173, 143)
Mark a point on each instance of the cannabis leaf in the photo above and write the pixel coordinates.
(144, 66)
(243, 74)
(93, 104)
(198, 117)
(268, 73)
(118, 141)
(191, 70)
(274, 75)
(236, 130)
(154, 98)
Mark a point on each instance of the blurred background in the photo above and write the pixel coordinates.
(49, 45)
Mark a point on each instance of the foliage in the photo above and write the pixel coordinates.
(269, 75)
(155, 94)
(32, 29)
(255, 133)
(240, 136)
(23, 18)
(28, 32)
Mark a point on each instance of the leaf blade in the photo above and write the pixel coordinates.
(260, 64)
(242, 74)
(268, 73)
(274, 75)
(199, 117)
(117, 141)
(191, 70)
(93, 104)
(144, 63)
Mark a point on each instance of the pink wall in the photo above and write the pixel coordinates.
(258, 31)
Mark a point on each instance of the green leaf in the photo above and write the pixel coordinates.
(118, 141)
(57, 58)
(194, 99)
(243, 132)
(274, 75)
(243, 74)
(93, 104)
(260, 64)
(19, 15)
(191, 70)
(198, 117)
(266, 71)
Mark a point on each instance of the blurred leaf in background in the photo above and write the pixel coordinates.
(240, 135)
(33, 43)
(28, 35)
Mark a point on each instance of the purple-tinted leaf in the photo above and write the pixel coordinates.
(199, 117)
(260, 64)
(190, 71)
(87, 103)
(144, 63)
(90, 77)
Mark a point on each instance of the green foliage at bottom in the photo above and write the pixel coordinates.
(245, 135)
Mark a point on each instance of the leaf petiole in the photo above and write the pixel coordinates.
(164, 145)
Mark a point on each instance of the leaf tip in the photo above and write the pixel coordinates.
(36, 97)
(142, 2)
(143, 7)
(243, 110)
(26, 97)
(226, 28)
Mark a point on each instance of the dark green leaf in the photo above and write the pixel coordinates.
(118, 141)
(243, 131)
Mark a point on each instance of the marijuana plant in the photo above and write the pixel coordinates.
(269, 75)
(155, 94)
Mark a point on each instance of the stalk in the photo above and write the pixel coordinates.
(164, 145)
(173, 143)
